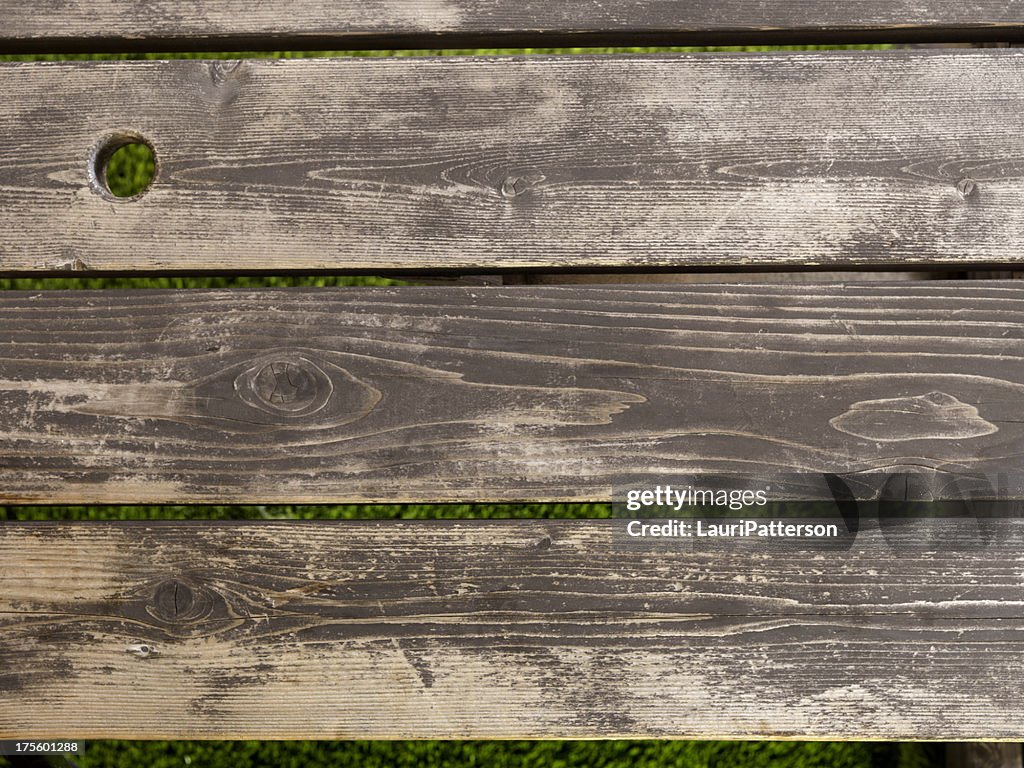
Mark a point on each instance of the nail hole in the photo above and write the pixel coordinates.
(124, 166)
(141, 650)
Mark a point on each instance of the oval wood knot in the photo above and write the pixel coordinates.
(290, 385)
(176, 602)
(285, 385)
(966, 188)
(514, 186)
(221, 70)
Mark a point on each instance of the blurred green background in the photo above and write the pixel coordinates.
(128, 172)
(511, 754)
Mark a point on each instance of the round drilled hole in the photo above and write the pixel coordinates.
(124, 166)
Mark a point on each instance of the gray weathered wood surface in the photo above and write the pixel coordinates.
(518, 393)
(892, 159)
(185, 25)
(478, 629)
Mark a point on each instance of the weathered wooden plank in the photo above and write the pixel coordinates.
(174, 25)
(823, 159)
(503, 629)
(518, 393)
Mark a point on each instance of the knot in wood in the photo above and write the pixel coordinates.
(966, 188)
(288, 385)
(220, 71)
(513, 186)
(173, 599)
(176, 602)
(78, 265)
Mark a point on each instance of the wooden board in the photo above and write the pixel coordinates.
(891, 159)
(177, 25)
(518, 393)
(503, 629)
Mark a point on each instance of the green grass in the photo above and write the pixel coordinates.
(514, 754)
(128, 173)
(509, 754)
(309, 512)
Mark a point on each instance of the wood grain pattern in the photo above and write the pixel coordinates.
(187, 25)
(518, 393)
(891, 159)
(500, 629)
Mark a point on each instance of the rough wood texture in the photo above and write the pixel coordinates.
(519, 393)
(503, 629)
(894, 159)
(186, 25)
(982, 755)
